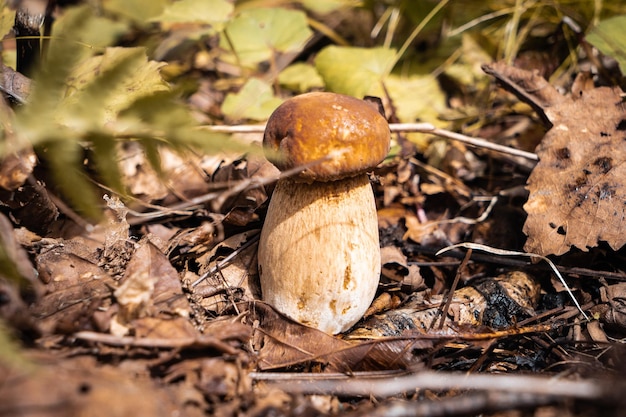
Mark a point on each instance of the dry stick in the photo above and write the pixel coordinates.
(355, 385)
(203, 341)
(220, 195)
(444, 308)
(477, 403)
(405, 127)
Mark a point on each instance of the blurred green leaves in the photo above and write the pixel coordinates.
(609, 36)
(254, 101)
(213, 12)
(138, 11)
(255, 35)
(91, 97)
(354, 71)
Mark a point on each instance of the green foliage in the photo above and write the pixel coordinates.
(140, 12)
(328, 6)
(94, 97)
(213, 12)
(254, 101)
(609, 36)
(354, 71)
(300, 77)
(255, 35)
(365, 71)
(90, 95)
(7, 18)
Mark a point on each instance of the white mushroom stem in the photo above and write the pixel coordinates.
(319, 254)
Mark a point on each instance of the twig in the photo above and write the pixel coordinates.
(474, 403)
(405, 127)
(220, 196)
(203, 341)
(444, 308)
(355, 385)
(477, 257)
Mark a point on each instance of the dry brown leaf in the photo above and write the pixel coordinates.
(577, 190)
(75, 289)
(396, 268)
(150, 287)
(231, 281)
(31, 207)
(615, 315)
(283, 343)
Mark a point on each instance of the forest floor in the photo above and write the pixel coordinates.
(501, 293)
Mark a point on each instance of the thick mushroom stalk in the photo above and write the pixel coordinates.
(319, 254)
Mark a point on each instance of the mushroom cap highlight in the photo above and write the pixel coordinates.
(334, 135)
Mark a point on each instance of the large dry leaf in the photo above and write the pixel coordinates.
(76, 288)
(285, 344)
(577, 190)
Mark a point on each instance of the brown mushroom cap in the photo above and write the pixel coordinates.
(313, 126)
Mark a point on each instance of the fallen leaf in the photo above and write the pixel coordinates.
(255, 101)
(75, 289)
(255, 35)
(354, 71)
(15, 168)
(577, 190)
(150, 288)
(283, 343)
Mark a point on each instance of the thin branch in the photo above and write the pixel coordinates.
(355, 385)
(191, 342)
(405, 127)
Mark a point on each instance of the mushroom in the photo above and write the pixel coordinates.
(319, 253)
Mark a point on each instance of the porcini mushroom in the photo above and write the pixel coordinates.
(319, 254)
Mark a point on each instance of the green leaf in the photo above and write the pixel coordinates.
(467, 69)
(65, 158)
(64, 52)
(105, 155)
(213, 12)
(300, 77)
(254, 101)
(610, 38)
(160, 120)
(102, 86)
(11, 354)
(139, 11)
(354, 71)
(256, 35)
(85, 101)
(327, 6)
(89, 34)
(415, 97)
